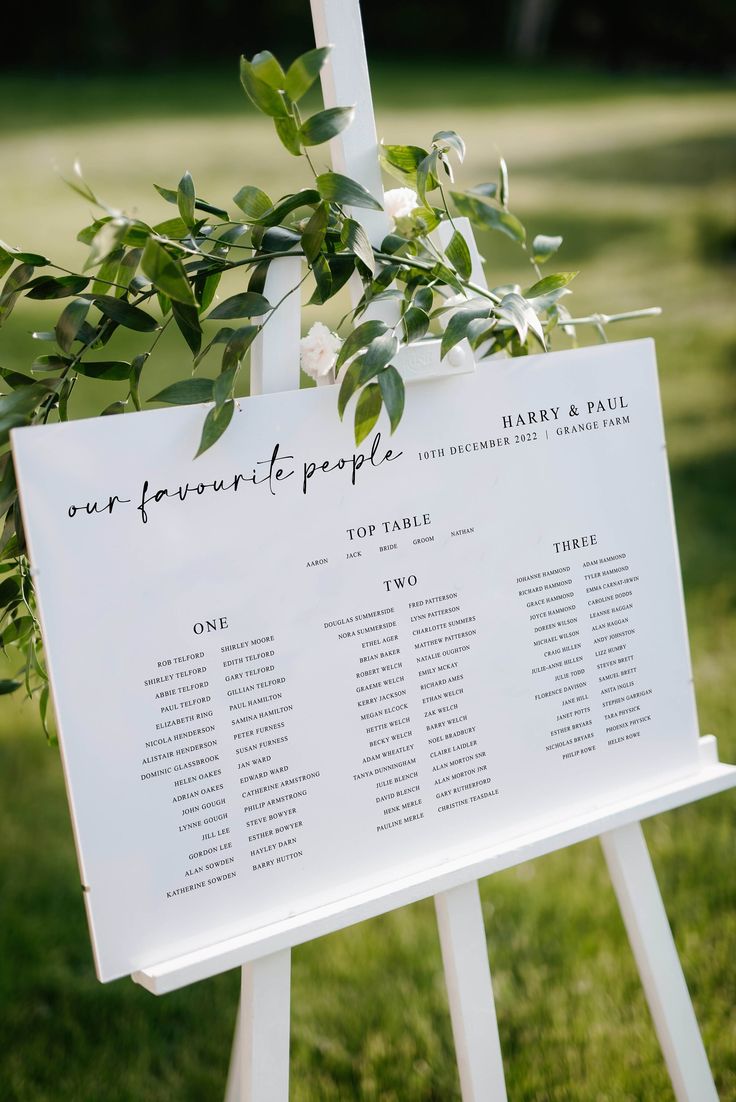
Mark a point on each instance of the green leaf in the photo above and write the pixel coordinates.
(485, 191)
(43, 707)
(325, 125)
(105, 370)
(427, 175)
(354, 238)
(458, 254)
(9, 589)
(69, 323)
(7, 686)
(172, 196)
(215, 424)
(517, 311)
(136, 370)
(36, 260)
(392, 392)
(302, 73)
(279, 239)
(341, 189)
(544, 247)
(402, 161)
(267, 99)
(50, 363)
(12, 289)
(452, 140)
(107, 239)
(222, 336)
(238, 345)
(124, 313)
(188, 324)
(48, 287)
(253, 202)
(446, 275)
(80, 185)
(113, 408)
(129, 266)
(395, 245)
(360, 337)
(341, 269)
(351, 380)
(16, 379)
(416, 323)
(185, 197)
(489, 218)
(269, 70)
(23, 401)
(289, 135)
(549, 283)
(503, 184)
(247, 304)
(381, 350)
(367, 411)
(313, 234)
(186, 392)
(424, 298)
(307, 197)
(17, 630)
(166, 273)
(258, 274)
(108, 273)
(223, 385)
(457, 326)
(206, 288)
(322, 278)
(228, 237)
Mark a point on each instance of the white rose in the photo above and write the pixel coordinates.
(318, 352)
(399, 203)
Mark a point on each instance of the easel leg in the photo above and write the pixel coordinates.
(259, 1065)
(470, 992)
(635, 884)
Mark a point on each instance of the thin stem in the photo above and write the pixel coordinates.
(96, 279)
(284, 297)
(606, 319)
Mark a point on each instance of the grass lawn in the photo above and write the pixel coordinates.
(639, 176)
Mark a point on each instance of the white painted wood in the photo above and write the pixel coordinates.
(274, 357)
(235, 1071)
(635, 884)
(259, 1062)
(169, 975)
(470, 993)
(345, 82)
(259, 1066)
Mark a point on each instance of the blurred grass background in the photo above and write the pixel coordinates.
(638, 173)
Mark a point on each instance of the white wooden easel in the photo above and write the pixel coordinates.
(259, 1070)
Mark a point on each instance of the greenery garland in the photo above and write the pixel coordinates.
(175, 267)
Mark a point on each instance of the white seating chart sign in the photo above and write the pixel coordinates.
(458, 631)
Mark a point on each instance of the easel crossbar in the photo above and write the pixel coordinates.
(169, 975)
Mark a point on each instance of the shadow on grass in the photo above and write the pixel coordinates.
(704, 490)
(688, 162)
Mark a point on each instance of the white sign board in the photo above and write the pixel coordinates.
(289, 671)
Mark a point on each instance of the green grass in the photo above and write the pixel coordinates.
(638, 176)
